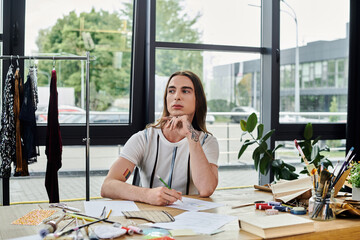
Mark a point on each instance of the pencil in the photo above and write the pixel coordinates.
(163, 181)
(87, 218)
(109, 213)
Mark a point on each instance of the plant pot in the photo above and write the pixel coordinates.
(355, 193)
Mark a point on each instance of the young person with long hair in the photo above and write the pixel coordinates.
(177, 148)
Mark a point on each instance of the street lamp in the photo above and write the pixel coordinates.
(297, 81)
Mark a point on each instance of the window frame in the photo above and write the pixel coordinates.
(100, 134)
(143, 76)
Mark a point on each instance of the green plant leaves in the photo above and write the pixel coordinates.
(242, 150)
(262, 156)
(316, 140)
(256, 157)
(290, 167)
(355, 175)
(251, 122)
(263, 147)
(315, 151)
(243, 125)
(260, 130)
(277, 147)
(267, 135)
(286, 174)
(308, 132)
(264, 164)
(243, 134)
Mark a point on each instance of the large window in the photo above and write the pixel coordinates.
(233, 45)
(219, 41)
(229, 22)
(68, 28)
(314, 42)
(104, 28)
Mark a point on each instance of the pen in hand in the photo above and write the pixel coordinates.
(166, 185)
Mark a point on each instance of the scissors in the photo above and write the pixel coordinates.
(64, 206)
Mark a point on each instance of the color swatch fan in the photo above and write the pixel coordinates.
(34, 217)
(152, 216)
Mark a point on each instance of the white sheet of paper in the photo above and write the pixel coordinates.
(191, 204)
(31, 237)
(199, 222)
(95, 208)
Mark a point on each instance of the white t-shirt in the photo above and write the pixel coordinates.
(141, 150)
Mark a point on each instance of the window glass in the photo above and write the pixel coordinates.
(1, 16)
(232, 86)
(319, 38)
(104, 28)
(1, 47)
(290, 154)
(71, 175)
(227, 22)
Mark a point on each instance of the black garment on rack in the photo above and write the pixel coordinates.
(7, 134)
(53, 148)
(28, 121)
(20, 163)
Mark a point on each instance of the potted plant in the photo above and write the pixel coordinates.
(354, 179)
(263, 156)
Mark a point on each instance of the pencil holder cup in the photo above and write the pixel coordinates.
(355, 193)
(323, 208)
(311, 204)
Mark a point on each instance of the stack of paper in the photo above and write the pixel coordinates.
(199, 222)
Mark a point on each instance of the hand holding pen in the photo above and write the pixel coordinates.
(168, 187)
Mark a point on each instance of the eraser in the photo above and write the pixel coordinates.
(271, 211)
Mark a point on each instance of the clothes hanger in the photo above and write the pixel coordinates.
(17, 62)
(34, 61)
(53, 62)
(11, 63)
(30, 64)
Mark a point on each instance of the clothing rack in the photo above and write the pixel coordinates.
(4, 190)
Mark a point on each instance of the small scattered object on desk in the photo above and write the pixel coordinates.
(298, 211)
(151, 215)
(247, 204)
(265, 188)
(108, 231)
(163, 238)
(63, 206)
(52, 217)
(151, 232)
(128, 230)
(92, 235)
(59, 234)
(35, 217)
(271, 211)
(136, 229)
(50, 227)
(271, 205)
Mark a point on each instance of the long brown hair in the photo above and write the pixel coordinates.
(199, 120)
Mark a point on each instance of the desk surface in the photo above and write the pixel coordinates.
(339, 228)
